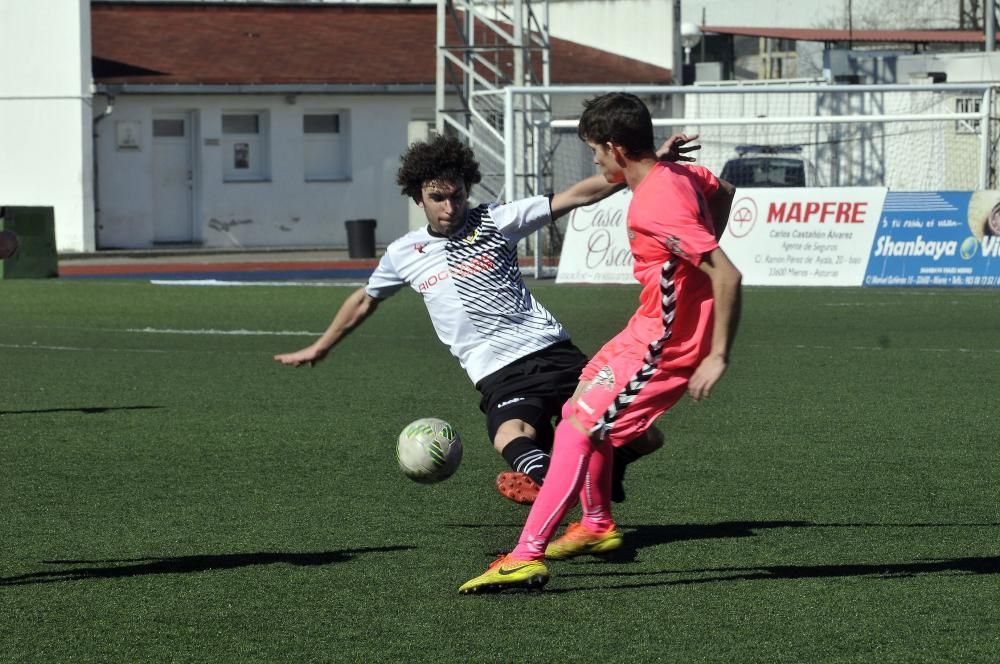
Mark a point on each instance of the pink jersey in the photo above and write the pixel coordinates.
(644, 370)
(669, 229)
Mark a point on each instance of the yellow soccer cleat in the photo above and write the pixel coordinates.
(506, 572)
(579, 541)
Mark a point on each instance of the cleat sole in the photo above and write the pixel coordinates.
(536, 582)
(517, 487)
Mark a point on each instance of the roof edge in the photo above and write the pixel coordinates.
(262, 88)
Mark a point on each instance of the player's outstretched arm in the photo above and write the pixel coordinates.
(719, 205)
(596, 187)
(726, 289)
(355, 309)
(584, 192)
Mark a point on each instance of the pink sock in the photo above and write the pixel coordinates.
(596, 494)
(567, 471)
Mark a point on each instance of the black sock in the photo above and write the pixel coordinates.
(524, 456)
(625, 455)
(621, 458)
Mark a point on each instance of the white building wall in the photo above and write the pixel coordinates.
(864, 14)
(638, 29)
(957, 67)
(286, 211)
(45, 114)
(644, 29)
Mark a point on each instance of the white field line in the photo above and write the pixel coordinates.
(212, 333)
(218, 282)
(880, 349)
(806, 347)
(88, 350)
(884, 299)
(881, 304)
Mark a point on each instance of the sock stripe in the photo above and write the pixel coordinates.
(530, 461)
(523, 455)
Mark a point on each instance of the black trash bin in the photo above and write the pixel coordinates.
(36, 255)
(360, 238)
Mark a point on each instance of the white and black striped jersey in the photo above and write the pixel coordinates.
(472, 285)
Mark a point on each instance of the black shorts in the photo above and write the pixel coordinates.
(533, 388)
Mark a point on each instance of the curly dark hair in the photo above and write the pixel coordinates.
(437, 158)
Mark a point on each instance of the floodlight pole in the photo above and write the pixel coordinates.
(990, 19)
(439, 88)
(984, 138)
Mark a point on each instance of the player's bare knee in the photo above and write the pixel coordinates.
(512, 430)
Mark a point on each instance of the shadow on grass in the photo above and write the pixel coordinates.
(88, 410)
(946, 566)
(642, 536)
(114, 569)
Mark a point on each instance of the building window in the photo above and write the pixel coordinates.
(968, 105)
(168, 128)
(244, 142)
(326, 145)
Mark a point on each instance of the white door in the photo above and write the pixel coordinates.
(173, 179)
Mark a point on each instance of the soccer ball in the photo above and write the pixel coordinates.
(429, 450)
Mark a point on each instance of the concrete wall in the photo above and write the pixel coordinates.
(638, 29)
(957, 67)
(45, 114)
(285, 210)
(865, 14)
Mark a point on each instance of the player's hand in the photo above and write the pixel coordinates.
(706, 376)
(676, 148)
(309, 355)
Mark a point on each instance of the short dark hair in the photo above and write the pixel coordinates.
(437, 158)
(621, 118)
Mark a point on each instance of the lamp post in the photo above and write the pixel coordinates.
(690, 37)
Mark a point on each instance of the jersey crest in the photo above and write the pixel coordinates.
(674, 245)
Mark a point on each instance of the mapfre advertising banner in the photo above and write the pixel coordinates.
(803, 237)
(945, 238)
(776, 237)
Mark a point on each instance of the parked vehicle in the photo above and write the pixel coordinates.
(761, 166)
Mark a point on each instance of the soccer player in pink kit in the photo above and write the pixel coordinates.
(678, 340)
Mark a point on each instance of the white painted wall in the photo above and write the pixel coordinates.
(865, 14)
(644, 30)
(638, 29)
(286, 211)
(958, 67)
(45, 114)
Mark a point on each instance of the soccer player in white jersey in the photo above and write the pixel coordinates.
(464, 264)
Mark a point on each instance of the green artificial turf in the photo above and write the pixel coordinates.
(169, 493)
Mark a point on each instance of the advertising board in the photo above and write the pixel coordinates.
(845, 236)
(945, 238)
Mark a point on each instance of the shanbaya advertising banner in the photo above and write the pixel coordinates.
(942, 238)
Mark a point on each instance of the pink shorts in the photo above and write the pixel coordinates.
(631, 384)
